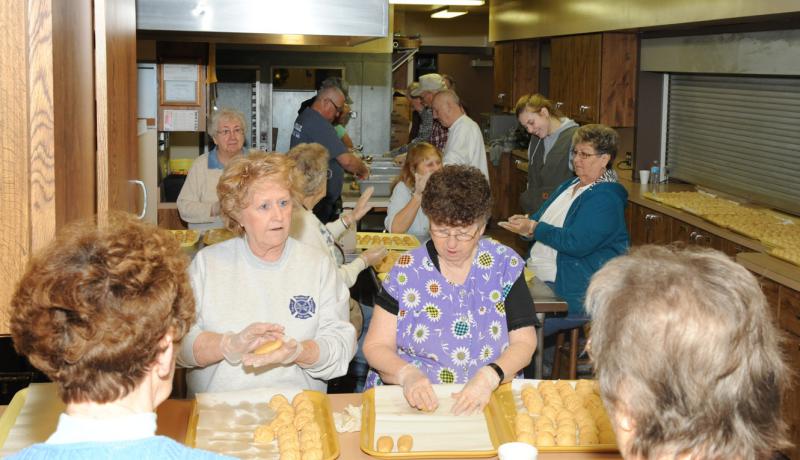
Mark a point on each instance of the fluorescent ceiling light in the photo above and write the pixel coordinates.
(440, 2)
(448, 13)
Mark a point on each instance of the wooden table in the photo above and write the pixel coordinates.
(173, 418)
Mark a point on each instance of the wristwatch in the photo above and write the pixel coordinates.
(498, 370)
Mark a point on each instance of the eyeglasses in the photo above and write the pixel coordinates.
(460, 236)
(584, 155)
(338, 109)
(227, 132)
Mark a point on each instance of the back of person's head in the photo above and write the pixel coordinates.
(311, 159)
(93, 306)
(687, 355)
(535, 103)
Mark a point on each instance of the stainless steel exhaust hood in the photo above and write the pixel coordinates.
(281, 22)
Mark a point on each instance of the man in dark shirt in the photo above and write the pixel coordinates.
(314, 125)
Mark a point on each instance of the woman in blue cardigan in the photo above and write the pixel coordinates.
(581, 225)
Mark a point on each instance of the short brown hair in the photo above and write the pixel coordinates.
(684, 343)
(417, 154)
(311, 159)
(233, 188)
(602, 138)
(457, 195)
(535, 103)
(93, 305)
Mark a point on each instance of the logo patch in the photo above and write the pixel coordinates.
(302, 306)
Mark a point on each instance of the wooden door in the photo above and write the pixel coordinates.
(575, 75)
(526, 69)
(620, 67)
(503, 75)
(115, 87)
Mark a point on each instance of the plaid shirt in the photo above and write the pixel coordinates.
(439, 135)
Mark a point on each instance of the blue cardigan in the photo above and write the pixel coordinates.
(594, 232)
(154, 447)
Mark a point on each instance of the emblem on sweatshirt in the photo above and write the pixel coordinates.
(302, 306)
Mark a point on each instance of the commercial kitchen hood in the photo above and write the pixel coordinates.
(278, 22)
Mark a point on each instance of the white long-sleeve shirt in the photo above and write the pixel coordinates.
(465, 145)
(301, 291)
(307, 229)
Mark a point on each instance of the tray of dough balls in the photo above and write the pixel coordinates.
(391, 429)
(265, 423)
(557, 415)
(393, 241)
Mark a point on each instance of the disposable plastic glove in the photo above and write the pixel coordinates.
(476, 393)
(373, 256)
(417, 389)
(234, 345)
(286, 354)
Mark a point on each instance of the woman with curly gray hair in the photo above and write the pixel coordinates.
(687, 356)
(455, 310)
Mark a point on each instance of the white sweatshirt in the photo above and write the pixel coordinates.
(302, 291)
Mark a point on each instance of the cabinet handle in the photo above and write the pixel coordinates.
(144, 201)
(651, 217)
(559, 104)
(699, 237)
(583, 108)
(693, 235)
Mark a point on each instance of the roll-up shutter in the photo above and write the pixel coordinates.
(736, 134)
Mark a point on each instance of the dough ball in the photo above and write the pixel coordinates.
(303, 406)
(292, 454)
(313, 454)
(268, 347)
(523, 423)
(528, 438)
(302, 420)
(588, 439)
(313, 427)
(264, 434)
(566, 439)
(385, 444)
(545, 439)
(405, 443)
(550, 412)
(277, 401)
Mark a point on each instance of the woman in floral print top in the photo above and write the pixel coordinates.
(456, 310)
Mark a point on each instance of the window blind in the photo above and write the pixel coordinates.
(737, 134)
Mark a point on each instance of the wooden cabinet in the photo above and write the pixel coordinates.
(789, 319)
(649, 226)
(689, 234)
(593, 77)
(68, 105)
(507, 182)
(516, 71)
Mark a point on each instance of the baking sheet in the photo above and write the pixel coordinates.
(225, 422)
(509, 399)
(436, 434)
(31, 417)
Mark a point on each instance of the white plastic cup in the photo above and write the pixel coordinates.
(517, 451)
(644, 176)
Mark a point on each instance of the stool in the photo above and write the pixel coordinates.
(571, 349)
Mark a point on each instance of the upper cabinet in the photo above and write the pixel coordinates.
(593, 77)
(516, 71)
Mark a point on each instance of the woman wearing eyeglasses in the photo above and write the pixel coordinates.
(548, 152)
(197, 203)
(455, 310)
(580, 227)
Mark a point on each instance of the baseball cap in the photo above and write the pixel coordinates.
(413, 90)
(430, 82)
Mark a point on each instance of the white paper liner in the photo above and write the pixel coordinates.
(437, 431)
(226, 421)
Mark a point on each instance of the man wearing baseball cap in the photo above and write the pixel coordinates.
(430, 130)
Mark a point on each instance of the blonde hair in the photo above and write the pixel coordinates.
(242, 172)
(311, 159)
(535, 103)
(684, 343)
(417, 154)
